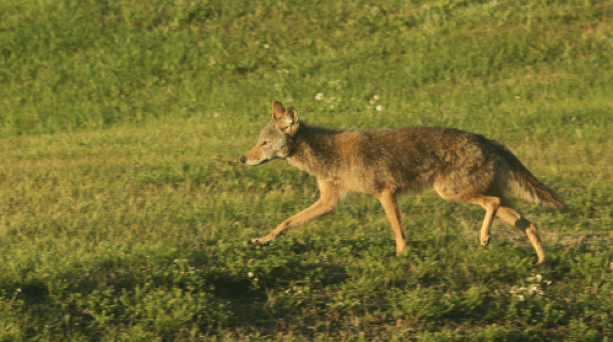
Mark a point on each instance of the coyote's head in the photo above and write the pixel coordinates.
(274, 139)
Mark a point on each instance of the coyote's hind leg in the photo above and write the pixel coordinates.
(508, 214)
(491, 205)
(489, 200)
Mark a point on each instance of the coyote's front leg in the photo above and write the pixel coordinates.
(387, 197)
(331, 195)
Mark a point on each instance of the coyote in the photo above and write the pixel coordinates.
(464, 167)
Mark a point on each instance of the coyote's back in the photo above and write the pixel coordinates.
(463, 166)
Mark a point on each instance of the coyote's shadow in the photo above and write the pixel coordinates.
(249, 307)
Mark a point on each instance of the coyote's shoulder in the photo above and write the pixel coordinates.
(463, 167)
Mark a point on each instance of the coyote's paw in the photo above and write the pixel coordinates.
(485, 240)
(542, 262)
(259, 242)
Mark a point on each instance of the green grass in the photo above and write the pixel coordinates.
(124, 212)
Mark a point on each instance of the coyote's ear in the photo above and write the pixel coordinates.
(289, 121)
(277, 110)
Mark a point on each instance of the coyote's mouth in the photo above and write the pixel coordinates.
(246, 161)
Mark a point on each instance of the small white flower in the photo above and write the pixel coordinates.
(512, 291)
(214, 115)
(529, 279)
(18, 289)
(539, 277)
(266, 46)
(353, 99)
(376, 97)
(534, 287)
(319, 96)
(278, 84)
(518, 97)
(290, 100)
(371, 102)
(250, 274)
(539, 292)
(299, 291)
(379, 108)
(176, 260)
(332, 106)
(374, 9)
(520, 298)
(549, 282)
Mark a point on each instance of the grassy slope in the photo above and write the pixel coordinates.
(133, 225)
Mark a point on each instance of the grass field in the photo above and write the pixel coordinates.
(125, 214)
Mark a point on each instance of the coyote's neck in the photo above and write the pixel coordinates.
(312, 149)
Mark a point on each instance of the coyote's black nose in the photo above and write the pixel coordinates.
(243, 159)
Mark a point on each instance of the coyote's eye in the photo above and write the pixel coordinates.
(264, 143)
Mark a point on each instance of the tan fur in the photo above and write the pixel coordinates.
(464, 167)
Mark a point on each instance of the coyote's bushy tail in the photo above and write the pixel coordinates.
(528, 187)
